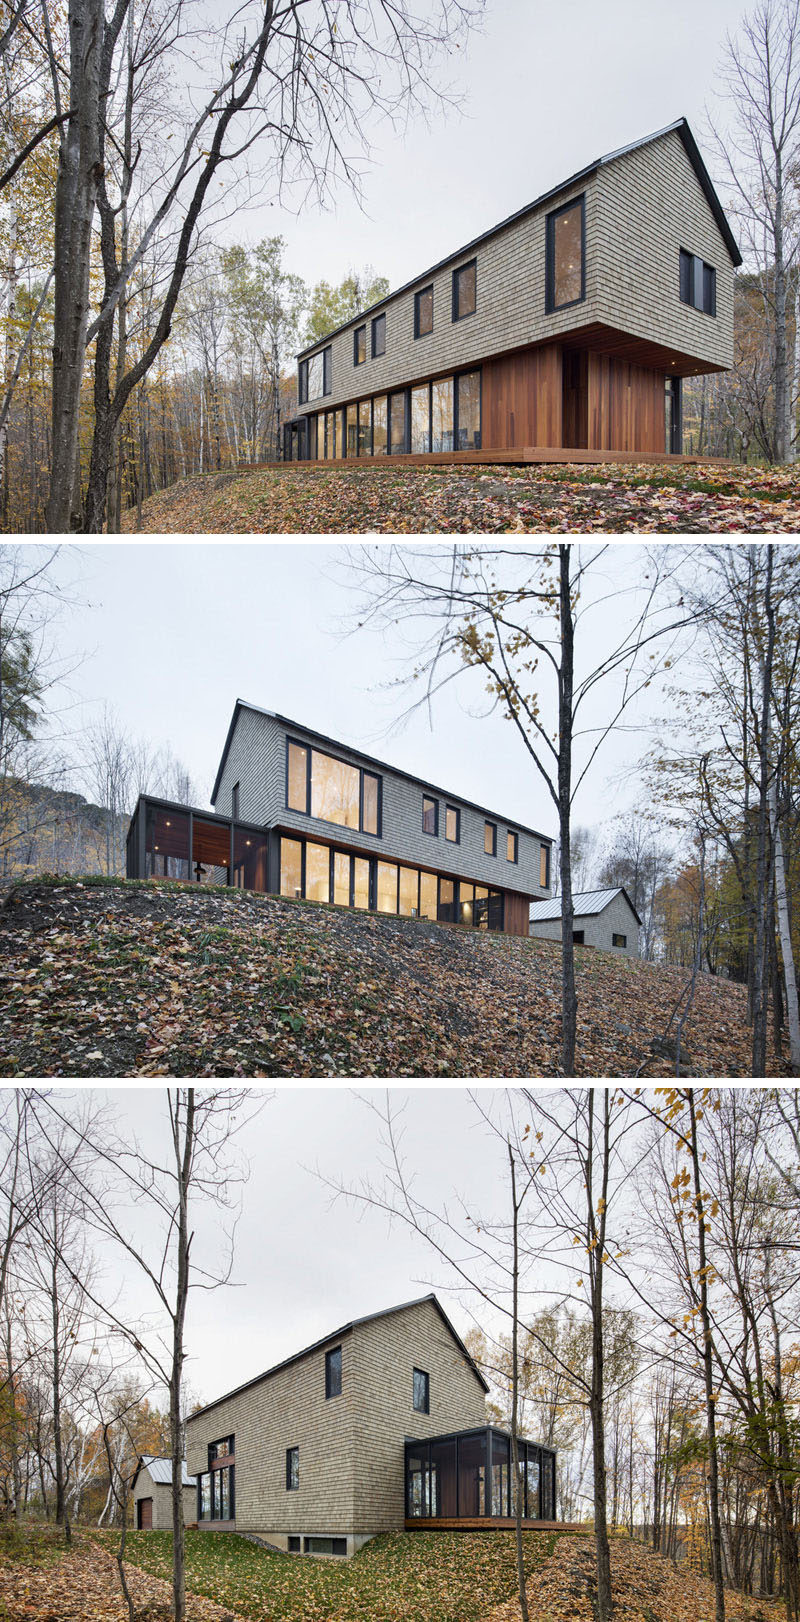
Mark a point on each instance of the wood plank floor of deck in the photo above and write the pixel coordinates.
(529, 455)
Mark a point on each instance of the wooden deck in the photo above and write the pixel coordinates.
(480, 1523)
(526, 456)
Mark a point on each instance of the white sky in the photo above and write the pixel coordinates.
(170, 635)
(541, 90)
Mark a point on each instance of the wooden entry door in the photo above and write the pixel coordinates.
(575, 384)
(145, 1514)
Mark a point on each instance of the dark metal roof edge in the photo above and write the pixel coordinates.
(588, 912)
(477, 1430)
(679, 127)
(336, 1334)
(372, 760)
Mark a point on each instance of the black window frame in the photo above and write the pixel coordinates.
(550, 306)
(357, 331)
(466, 371)
(511, 834)
(362, 772)
(294, 1543)
(619, 940)
(486, 826)
(235, 802)
(697, 283)
(434, 832)
(457, 812)
(333, 1372)
(459, 270)
(292, 1457)
(417, 297)
(376, 320)
(302, 376)
(423, 1375)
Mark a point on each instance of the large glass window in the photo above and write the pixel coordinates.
(481, 911)
(501, 1501)
(291, 867)
(330, 435)
(371, 823)
(423, 312)
(428, 887)
(418, 1483)
(698, 283)
(430, 815)
(334, 790)
(315, 376)
(564, 256)
(341, 879)
(352, 430)
(397, 424)
(380, 442)
(446, 908)
(333, 1372)
(465, 290)
(442, 414)
(421, 1391)
(443, 1478)
(297, 786)
(531, 1465)
(378, 335)
(318, 872)
(409, 892)
(466, 898)
(452, 825)
(365, 427)
(420, 420)
(249, 859)
(204, 1497)
(548, 1486)
(468, 396)
(360, 882)
(166, 844)
(387, 887)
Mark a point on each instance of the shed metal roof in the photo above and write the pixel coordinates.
(335, 1335)
(679, 128)
(586, 904)
(160, 1470)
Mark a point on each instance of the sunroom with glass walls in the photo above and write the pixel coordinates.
(440, 414)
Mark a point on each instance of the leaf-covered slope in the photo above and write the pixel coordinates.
(102, 978)
(551, 498)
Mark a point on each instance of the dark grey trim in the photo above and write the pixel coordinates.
(680, 128)
(368, 760)
(338, 1334)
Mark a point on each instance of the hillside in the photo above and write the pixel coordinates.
(108, 977)
(557, 498)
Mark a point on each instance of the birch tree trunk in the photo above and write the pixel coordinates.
(785, 933)
(569, 1001)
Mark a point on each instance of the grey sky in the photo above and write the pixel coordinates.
(540, 91)
(171, 635)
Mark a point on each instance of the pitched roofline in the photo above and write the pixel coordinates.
(335, 1335)
(146, 1459)
(586, 912)
(680, 128)
(372, 760)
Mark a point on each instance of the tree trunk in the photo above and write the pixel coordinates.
(708, 1373)
(183, 1155)
(518, 1496)
(785, 935)
(605, 1599)
(62, 1519)
(569, 1001)
(79, 170)
(782, 438)
(760, 981)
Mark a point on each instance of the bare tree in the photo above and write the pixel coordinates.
(108, 774)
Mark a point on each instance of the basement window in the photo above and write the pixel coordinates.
(314, 1545)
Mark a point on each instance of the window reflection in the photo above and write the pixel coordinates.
(297, 794)
(409, 892)
(428, 886)
(442, 414)
(318, 872)
(291, 867)
(420, 421)
(397, 423)
(567, 255)
(334, 790)
(469, 411)
(379, 424)
(387, 887)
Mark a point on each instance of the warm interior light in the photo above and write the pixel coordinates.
(247, 841)
(168, 823)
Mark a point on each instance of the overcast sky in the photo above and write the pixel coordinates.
(171, 635)
(540, 91)
(305, 1264)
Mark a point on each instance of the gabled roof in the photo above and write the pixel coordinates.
(679, 128)
(336, 1334)
(160, 1470)
(371, 760)
(586, 904)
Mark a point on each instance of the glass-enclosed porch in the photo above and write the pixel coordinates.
(467, 1475)
(172, 841)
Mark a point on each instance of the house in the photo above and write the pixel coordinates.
(604, 918)
(151, 1491)
(298, 814)
(379, 1426)
(569, 325)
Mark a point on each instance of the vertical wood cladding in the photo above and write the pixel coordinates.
(521, 399)
(626, 408)
(517, 912)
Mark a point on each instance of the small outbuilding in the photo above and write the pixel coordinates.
(603, 918)
(151, 1491)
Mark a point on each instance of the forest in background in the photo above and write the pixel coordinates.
(137, 350)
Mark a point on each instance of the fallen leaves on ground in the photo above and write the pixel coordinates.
(131, 978)
(565, 498)
(646, 1588)
(83, 1586)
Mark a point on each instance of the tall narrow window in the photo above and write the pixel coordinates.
(352, 430)
(398, 443)
(387, 887)
(297, 786)
(468, 411)
(318, 872)
(371, 816)
(423, 312)
(422, 1392)
(365, 427)
(697, 282)
(465, 290)
(442, 414)
(452, 825)
(292, 1469)
(235, 802)
(430, 815)
(379, 435)
(490, 838)
(512, 846)
(333, 1372)
(359, 346)
(291, 868)
(565, 269)
(421, 420)
(378, 336)
(544, 867)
